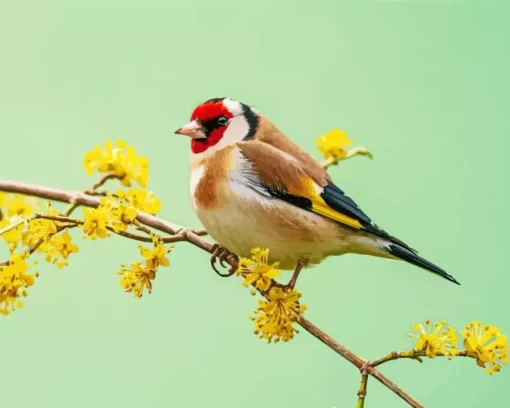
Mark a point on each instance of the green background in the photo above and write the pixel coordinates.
(423, 85)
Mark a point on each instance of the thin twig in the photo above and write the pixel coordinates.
(415, 355)
(125, 234)
(355, 151)
(102, 181)
(91, 191)
(188, 235)
(12, 226)
(57, 218)
(362, 391)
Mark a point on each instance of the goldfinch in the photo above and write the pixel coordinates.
(253, 187)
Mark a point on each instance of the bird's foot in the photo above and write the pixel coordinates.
(220, 253)
(292, 283)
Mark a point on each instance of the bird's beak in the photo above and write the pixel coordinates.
(193, 129)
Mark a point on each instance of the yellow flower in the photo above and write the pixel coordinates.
(120, 161)
(331, 144)
(436, 339)
(107, 160)
(257, 270)
(111, 213)
(155, 257)
(142, 200)
(275, 315)
(95, 223)
(14, 281)
(19, 205)
(137, 167)
(487, 344)
(14, 236)
(40, 229)
(119, 215)
(19, 208)
(137, 278)
(39, 233)
(59, 249)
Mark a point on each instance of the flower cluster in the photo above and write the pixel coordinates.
(140, 199)
(36, 234)
(26, 231)
(14, 281)
(435, 339)
(139, 275)
(120, 161)
(28, 228)
(275, 315)
(18, 208)
(485, 344)
(112, 213)
(332, 144)
(256, 271)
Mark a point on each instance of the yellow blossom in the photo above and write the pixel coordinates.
(436, 339)
(155, 257)
(136, 278)
(119, 215)
(142, 200)
(257, 270)
(120, 161)
(275, 315)
(59, 249)
(111, 213)
(14, 236)
(487, 344)
(95, 223)
(19, 208)
(14, 281)
(39, 231)
(331, 144)
(19, 205)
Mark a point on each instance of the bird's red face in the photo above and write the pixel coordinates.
(219, 122)
(207, 126)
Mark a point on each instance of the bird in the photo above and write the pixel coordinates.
(252, 187)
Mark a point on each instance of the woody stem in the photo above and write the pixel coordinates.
(295, 275)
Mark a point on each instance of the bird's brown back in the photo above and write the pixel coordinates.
(270, 134)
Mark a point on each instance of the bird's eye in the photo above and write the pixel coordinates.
(222, 121)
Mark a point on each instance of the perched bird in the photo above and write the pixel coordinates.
(253, 187)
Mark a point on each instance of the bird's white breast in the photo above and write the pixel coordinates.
(247, 219)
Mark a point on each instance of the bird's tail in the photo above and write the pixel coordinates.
(408, 255)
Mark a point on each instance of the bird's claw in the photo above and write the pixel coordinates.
(292, 283)
(220, 253)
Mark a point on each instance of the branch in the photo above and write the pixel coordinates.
(181, 233)
(415, 355)
(81, 199)
(395, 355)
(126, 234)
(362, 392)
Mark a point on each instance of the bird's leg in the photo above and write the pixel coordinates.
(214, 255)
(222, 254)
(292, 283)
